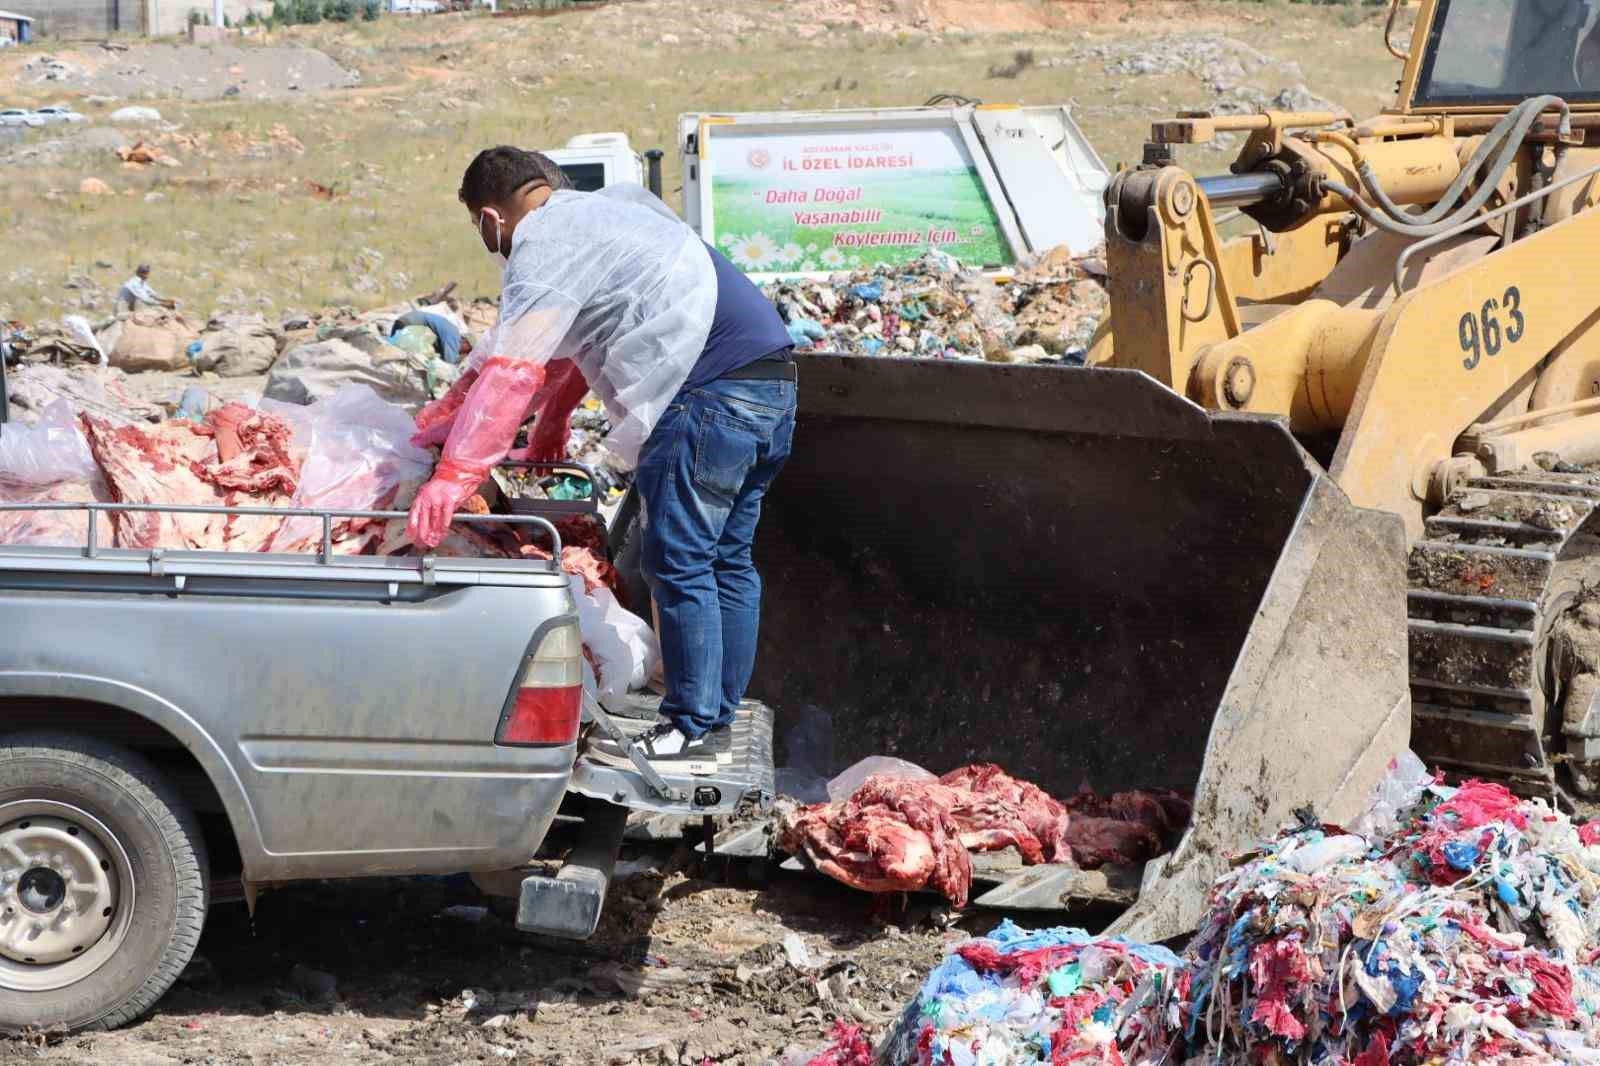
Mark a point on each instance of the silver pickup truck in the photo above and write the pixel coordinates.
(170, 720)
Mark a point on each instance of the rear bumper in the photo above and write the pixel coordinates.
(568, 905)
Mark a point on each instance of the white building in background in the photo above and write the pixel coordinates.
(87, 19)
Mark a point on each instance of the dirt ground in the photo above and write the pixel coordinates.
(329, 177)
(689, 967)
(170, 69)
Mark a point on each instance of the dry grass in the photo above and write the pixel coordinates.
(227, 229)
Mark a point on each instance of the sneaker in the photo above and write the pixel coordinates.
(665, 746)
(719, 742)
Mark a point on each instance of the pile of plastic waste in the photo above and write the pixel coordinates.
(932, 307)
(1461, 928)
(1446, 925)
(1055, 995)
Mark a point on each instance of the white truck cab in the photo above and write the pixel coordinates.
(592, 161)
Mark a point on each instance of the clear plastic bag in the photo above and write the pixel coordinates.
(844, 785)
(48, 462)
(622, 644)
(1401, 788)
(358, 456)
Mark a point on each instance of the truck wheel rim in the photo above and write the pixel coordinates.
(66, 895)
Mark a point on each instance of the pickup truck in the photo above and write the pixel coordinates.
(172, 719)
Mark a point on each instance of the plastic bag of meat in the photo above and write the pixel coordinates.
(619, 643)
(48, 462)
(359, 457)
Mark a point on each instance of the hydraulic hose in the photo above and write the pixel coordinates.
(1505, 138)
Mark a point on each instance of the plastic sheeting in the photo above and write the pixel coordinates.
(48, 462)
(615, 282)
(359, 456)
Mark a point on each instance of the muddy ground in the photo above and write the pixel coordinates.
(689, 967)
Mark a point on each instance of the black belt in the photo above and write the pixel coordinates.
(771, 369)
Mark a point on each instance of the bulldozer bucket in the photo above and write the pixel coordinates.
(1090, 580)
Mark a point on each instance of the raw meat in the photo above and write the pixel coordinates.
(61, 529)
(901, 834)
(1045, 821)
(893, 835)
(154, 466)
(1125, 828)
(252, 452)
(181, 463)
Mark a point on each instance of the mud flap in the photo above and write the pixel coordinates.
(1086, 578)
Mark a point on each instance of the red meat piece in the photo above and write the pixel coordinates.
(252, 452)
(1043, 818)
(892, 835)
(61, 529)
(899, 834)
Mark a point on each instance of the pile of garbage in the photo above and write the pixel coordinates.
(932, 307)
(1447, 925)
(1465, 929)
(1052, 995)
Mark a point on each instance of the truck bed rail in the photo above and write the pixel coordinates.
(324, 565)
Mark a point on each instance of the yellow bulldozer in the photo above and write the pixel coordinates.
(1320, 494)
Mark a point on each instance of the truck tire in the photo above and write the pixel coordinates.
(104, 908)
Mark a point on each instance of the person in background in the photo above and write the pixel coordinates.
(610, 291)
(136, 292)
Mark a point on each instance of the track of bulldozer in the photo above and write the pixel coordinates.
(1494, 571)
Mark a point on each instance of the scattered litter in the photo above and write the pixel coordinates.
(934, 308)
(799, 956)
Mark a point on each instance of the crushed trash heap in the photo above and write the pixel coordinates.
(1047, 310)
(1448, 925)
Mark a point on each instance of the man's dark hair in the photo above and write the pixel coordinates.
(497, 174)
(144, 268)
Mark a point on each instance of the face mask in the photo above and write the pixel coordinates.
(499, 235)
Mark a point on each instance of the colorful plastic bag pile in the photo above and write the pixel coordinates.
(1055, 995)
(1467, 935)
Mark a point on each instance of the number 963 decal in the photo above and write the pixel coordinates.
(1482, 332)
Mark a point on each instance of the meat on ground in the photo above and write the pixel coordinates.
(899, 834)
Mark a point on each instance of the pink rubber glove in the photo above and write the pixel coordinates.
(484, 426)
(563, 390)
(435, 419)
(438, 501)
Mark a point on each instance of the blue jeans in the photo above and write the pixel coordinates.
(701, 477)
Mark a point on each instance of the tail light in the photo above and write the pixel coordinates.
(544, 707)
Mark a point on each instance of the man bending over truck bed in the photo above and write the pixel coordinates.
(609, 291)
